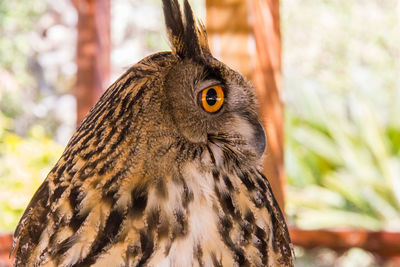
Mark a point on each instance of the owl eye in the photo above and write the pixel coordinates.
(212, 98)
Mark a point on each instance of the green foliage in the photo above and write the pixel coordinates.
(323, 257)
(25, 163)
(342, 165)
(16, 20)
(27, 152)
(342, 116)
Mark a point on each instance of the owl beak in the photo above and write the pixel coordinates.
(258, 141)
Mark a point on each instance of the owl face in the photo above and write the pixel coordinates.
(207, 101)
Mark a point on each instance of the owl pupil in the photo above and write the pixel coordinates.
(211, 97)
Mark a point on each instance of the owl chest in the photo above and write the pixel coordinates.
(196, 246)
(200, 239)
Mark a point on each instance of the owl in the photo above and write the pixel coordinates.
(163, 171)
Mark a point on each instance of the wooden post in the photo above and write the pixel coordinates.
(5, 247)
(268, 82)
(229, 33)
(93, 53)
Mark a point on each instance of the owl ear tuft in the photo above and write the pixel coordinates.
(187, 36)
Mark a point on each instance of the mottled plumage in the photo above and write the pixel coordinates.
(150, 178)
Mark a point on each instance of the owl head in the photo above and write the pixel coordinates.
(207, 101)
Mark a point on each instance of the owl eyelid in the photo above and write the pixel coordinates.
(207, 83)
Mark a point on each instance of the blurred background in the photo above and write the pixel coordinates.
(336, 70)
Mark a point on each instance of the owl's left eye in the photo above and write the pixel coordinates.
(212, 98)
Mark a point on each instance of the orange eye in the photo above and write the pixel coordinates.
(212, 98)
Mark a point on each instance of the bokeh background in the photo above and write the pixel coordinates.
(341, 80)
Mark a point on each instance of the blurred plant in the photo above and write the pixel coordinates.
(342, 163)
(323, 257)
(25, 163)
(343, 114)
(15, 24)
(31, 112)
(33, 67)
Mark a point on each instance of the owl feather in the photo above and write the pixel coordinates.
(152, 177)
